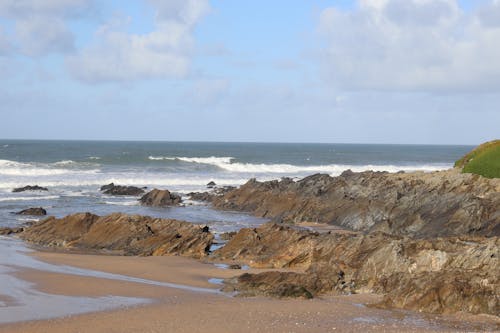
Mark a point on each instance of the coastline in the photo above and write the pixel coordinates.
(187, 311)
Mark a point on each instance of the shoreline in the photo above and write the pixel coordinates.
(180, 310)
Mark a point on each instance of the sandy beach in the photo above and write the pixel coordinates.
(181, 310)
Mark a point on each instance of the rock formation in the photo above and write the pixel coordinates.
(35, 211)
(437, 275)
(30, 188)
(444, 203)
(113, 189)
(121, 234)
(160, 198)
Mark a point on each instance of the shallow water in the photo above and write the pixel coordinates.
(20, 301)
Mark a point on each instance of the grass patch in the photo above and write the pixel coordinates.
(484, 160)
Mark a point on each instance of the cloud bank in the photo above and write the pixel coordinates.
(411, 45)
(165, 52)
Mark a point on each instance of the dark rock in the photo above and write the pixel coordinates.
(211, 184)
(30, 188)
(9, 231)
(160, 198)
(234, 266)
(445, 203)
(113, 189)
(38, 211)
(205, 229)
(121, 234)
(201, 196)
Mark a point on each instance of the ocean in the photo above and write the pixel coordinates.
(73, 171)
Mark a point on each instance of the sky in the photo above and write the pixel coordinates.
(366, 71)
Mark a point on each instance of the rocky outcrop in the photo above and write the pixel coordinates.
(437, 275)
(160, 198)
(9, 231)
(211, 195)
(211, 184)
(30, 188)
(35, 211)
(113, 189)
(444, 203)
(121, 234)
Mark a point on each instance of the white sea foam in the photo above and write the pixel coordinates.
(122, 203)
(13, 168)
(200, 160)
(94, 158)
(226, 163)
(46, 197)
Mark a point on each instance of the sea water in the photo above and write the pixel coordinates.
(73, 171)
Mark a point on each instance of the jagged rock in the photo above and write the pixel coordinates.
(30, 188)
(432, 275)
(36, 211)
(160, 198)
(227, 235)
(121, 234)
(9, 231)
(113, 189)
(211, 184)
(417, 204)
(201, 196)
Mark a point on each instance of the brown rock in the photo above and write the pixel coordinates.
(121, 234)
(437, 275)
(9, 231)
(160, 198)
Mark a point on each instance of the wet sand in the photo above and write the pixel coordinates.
(182, 310)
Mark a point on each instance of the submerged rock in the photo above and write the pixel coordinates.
(113, 189)
(30, 188)
(35, 211)
(160, 198)
(9, 231)
(121, 234)
(418, 204)
(437, 275)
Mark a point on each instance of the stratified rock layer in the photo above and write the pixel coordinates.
(437, 275)
(160, 198)
(121, 234)
(445, 203)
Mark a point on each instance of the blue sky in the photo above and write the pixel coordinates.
(371, 71)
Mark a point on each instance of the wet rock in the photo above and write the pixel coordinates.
(205, 229)
(30, 188)
(211, 184)
(160, 198)
(121, 234)
(201, 196)
(227, 235)
(431, 275)
(113, 189)
(274, 284)
(36, 211)
(445, 203)
(9, 231)
(234, 266)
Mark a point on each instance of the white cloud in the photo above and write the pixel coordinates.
(42, 35)
(412, 45)
(40, 25)
(116, 55)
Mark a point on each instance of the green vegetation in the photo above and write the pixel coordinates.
(484, 160)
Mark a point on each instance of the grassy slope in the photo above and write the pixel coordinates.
(484, 160)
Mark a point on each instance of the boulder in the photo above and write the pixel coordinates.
(121, 234)
(211, 184)
(113, 189)
(30, 188)
(35, 211)
(160, 198)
